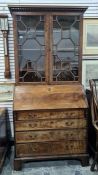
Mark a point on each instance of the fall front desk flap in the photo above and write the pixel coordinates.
(42, 97)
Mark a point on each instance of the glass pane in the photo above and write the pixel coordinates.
(31, 47)
(65, 21)
(92, 36)
(65, 48)
(74, 33)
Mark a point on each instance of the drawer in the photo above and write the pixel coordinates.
(53, 135)
(29, 115)
(50, 124)
(50, 148)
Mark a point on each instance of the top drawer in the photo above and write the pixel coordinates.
(29, 115)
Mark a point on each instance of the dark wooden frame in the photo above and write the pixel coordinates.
(48, 39)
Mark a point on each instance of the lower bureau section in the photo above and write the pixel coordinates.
(50, 121)
(50, 148)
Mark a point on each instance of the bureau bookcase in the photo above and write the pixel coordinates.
(50, 107)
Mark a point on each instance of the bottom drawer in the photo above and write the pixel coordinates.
(50, 148)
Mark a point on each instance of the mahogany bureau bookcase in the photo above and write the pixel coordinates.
(50, 107)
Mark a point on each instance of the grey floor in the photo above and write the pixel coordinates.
(63, 167)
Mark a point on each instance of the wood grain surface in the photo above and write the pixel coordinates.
(50, 124)
(50, 135)
(31, 115)
(39, 97)
(50, 148)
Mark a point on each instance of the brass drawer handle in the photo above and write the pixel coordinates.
(30, 114)
(69, 123)
(30, 125)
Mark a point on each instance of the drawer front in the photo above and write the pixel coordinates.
(50, 148)
(50, 124)
(29, 115)
(57, 135)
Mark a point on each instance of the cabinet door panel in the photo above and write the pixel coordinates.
(31, 48)
(65, 48)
